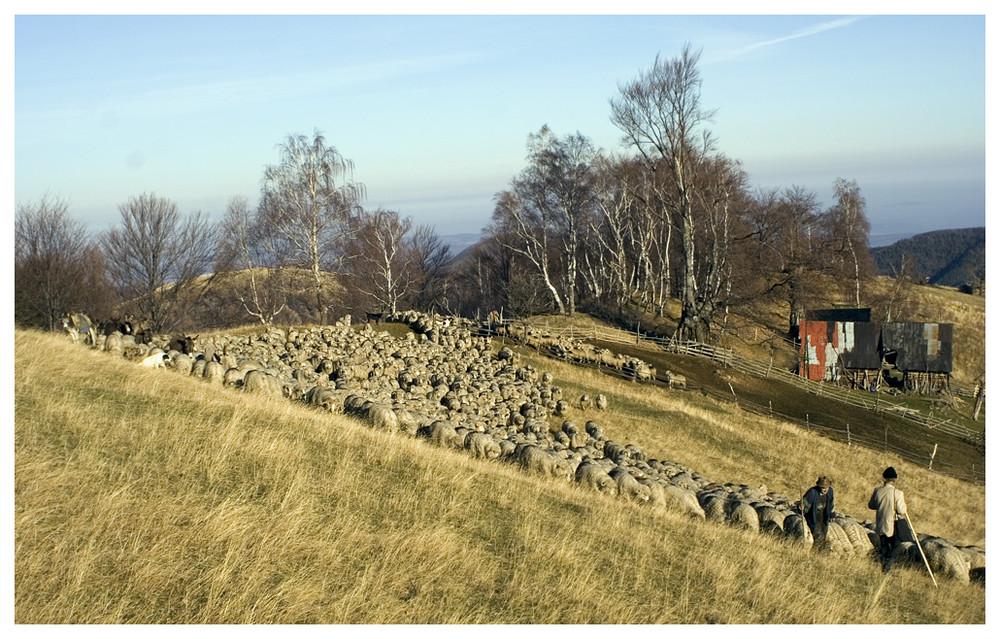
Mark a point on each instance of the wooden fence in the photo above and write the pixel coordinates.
(726, 357)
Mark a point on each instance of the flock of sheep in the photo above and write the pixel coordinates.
(446, 383)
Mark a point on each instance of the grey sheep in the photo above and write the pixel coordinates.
(772, 520)
(628, 486)
(534, 459)
(592, 475)
(262, 383)
(594, 430)
(796, 529)
(441, 433)
(946, 559)
(742, 515)
(213, 372)
(325, 397)
(482, 446)
(601, 401)
(683, 501)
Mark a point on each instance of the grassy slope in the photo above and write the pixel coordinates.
(146, 497)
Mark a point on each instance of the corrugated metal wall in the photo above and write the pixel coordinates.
(920, 347)
(829, 347)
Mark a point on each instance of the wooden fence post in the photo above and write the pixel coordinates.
(848, 434)
(931, 465)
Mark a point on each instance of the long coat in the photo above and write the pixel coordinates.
(888, 503)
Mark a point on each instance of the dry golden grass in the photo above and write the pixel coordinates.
(146, 497)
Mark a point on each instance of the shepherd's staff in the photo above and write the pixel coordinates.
(929, 572)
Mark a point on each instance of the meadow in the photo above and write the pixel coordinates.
(148, 497)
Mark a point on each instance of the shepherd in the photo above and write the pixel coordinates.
(888, 503)
(817, 508)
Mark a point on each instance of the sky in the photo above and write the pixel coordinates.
(435, 110)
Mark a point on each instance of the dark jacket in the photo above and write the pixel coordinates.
(810, 501)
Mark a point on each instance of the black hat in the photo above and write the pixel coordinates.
(824, 482)
(889, 473)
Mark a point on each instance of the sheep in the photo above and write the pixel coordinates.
(233, 377)
(675, 380)
(113, 343)
(742, 515)
(214, 372)
(181, 362)
(383, 417)
(261, 382)
(592, 475)
(324, 397)
(714, 506)
(594, 431)
(441, 433)
(837, 540)
(482, 446)
(796, 529)
(628, 486)
(682, 500)
(857, 536)
(534, 459)
(946, 559)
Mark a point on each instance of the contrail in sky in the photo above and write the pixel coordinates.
(802, 33)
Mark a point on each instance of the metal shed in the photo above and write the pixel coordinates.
(828, 348)
(916, 347)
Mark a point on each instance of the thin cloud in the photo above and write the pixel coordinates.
(185, 94)
(801, 33)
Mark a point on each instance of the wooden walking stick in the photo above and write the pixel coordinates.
(926, 563)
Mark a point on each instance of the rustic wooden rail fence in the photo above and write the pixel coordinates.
(728, 358)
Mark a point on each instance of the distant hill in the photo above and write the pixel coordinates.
(954, 257)
(460, 241)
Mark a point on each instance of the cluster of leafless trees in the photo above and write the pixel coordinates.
(307, 250)
(667, 218)
(671, 218)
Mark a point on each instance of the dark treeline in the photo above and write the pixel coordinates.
(666, 217)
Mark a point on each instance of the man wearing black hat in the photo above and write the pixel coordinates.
(817, 507)
(888, 504)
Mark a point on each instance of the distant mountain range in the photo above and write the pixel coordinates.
(954, 257)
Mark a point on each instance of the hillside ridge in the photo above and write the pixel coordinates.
(951, 257)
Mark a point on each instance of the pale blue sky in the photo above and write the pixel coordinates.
(435, 110)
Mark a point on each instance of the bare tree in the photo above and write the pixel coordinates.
(548, 207)
(155, 257)
(247, 248)
(54, 264)
(562, 170)
(381, 264)
(661, 115)
(784, 229)
(847, 231)
(721, 203)
(430, 262)
(526, 229)
(309, 199)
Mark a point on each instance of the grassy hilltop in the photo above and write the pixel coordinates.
(148, 497)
